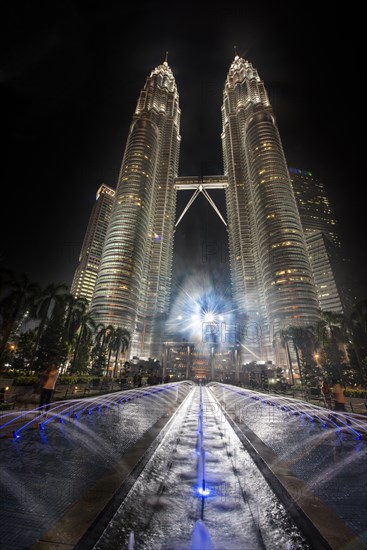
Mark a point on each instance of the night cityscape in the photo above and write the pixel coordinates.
(183, 333)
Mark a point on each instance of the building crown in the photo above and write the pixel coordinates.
(240, 70)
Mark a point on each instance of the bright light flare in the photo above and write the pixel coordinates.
(203, 492)
(209, 317)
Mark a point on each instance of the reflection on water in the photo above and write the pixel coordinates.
(332, 462)
(163, 507)
(45, 471)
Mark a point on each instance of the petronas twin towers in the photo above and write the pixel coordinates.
(272, 283)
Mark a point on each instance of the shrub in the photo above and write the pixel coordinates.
(25, 380)
(362, 394)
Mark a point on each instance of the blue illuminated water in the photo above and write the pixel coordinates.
(46, 471)
(164, 507)
(331, 462)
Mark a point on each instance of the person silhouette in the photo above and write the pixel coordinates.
(338, 396)
(48, 386)
(326, 394)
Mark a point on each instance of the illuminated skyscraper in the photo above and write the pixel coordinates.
(272, 282)
(271, 275)
(326, 266)
(90, 256)
(313, 205)
(322, 239)
(134, 280)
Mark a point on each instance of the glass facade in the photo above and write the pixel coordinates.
(323, 243)
(272, 281)
(85, 275)
(313, 205)
(134, 280)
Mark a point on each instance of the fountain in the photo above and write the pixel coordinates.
(200, 537)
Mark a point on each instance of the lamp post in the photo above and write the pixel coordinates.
(237, 364)
(188, 361)
(164, 362)
(212, 362)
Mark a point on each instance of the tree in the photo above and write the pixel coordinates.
(331, 339)
(45, 305)
(103, 335)
(52, 345)
(120, 345)
(303, 339)
(81, 362)
(18, 294)
(75, 309)
(331, 327)
(284, 338)
(86, 330)
(358, 349)
(23, 352)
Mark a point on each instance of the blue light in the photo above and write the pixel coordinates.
(41, 426)
(203, 492)
(16, 435)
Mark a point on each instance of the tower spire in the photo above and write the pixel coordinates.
(235, 50)
(166, 59)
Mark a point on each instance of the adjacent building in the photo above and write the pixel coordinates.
(323, 242)
(90, 255)
(313, 205)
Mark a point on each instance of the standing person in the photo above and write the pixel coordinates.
(326, 394)
(48, 386)
(338, 395)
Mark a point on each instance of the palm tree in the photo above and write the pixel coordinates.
(52, 345)
(331, 333)
(44, 308)
(86, 329)
(358, 334)
(101, 342)
(331, 327)
(18, 296)
(75, 309)
(121, 343)
(303, 339)
(110, 344)
(359, 315)
(284, 337)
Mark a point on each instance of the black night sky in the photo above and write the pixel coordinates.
(70, 76)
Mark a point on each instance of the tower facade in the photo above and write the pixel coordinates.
(272, 281)
(324, 261)
(313, 205)
(90, 255)
(134, 280)
(323, 243)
